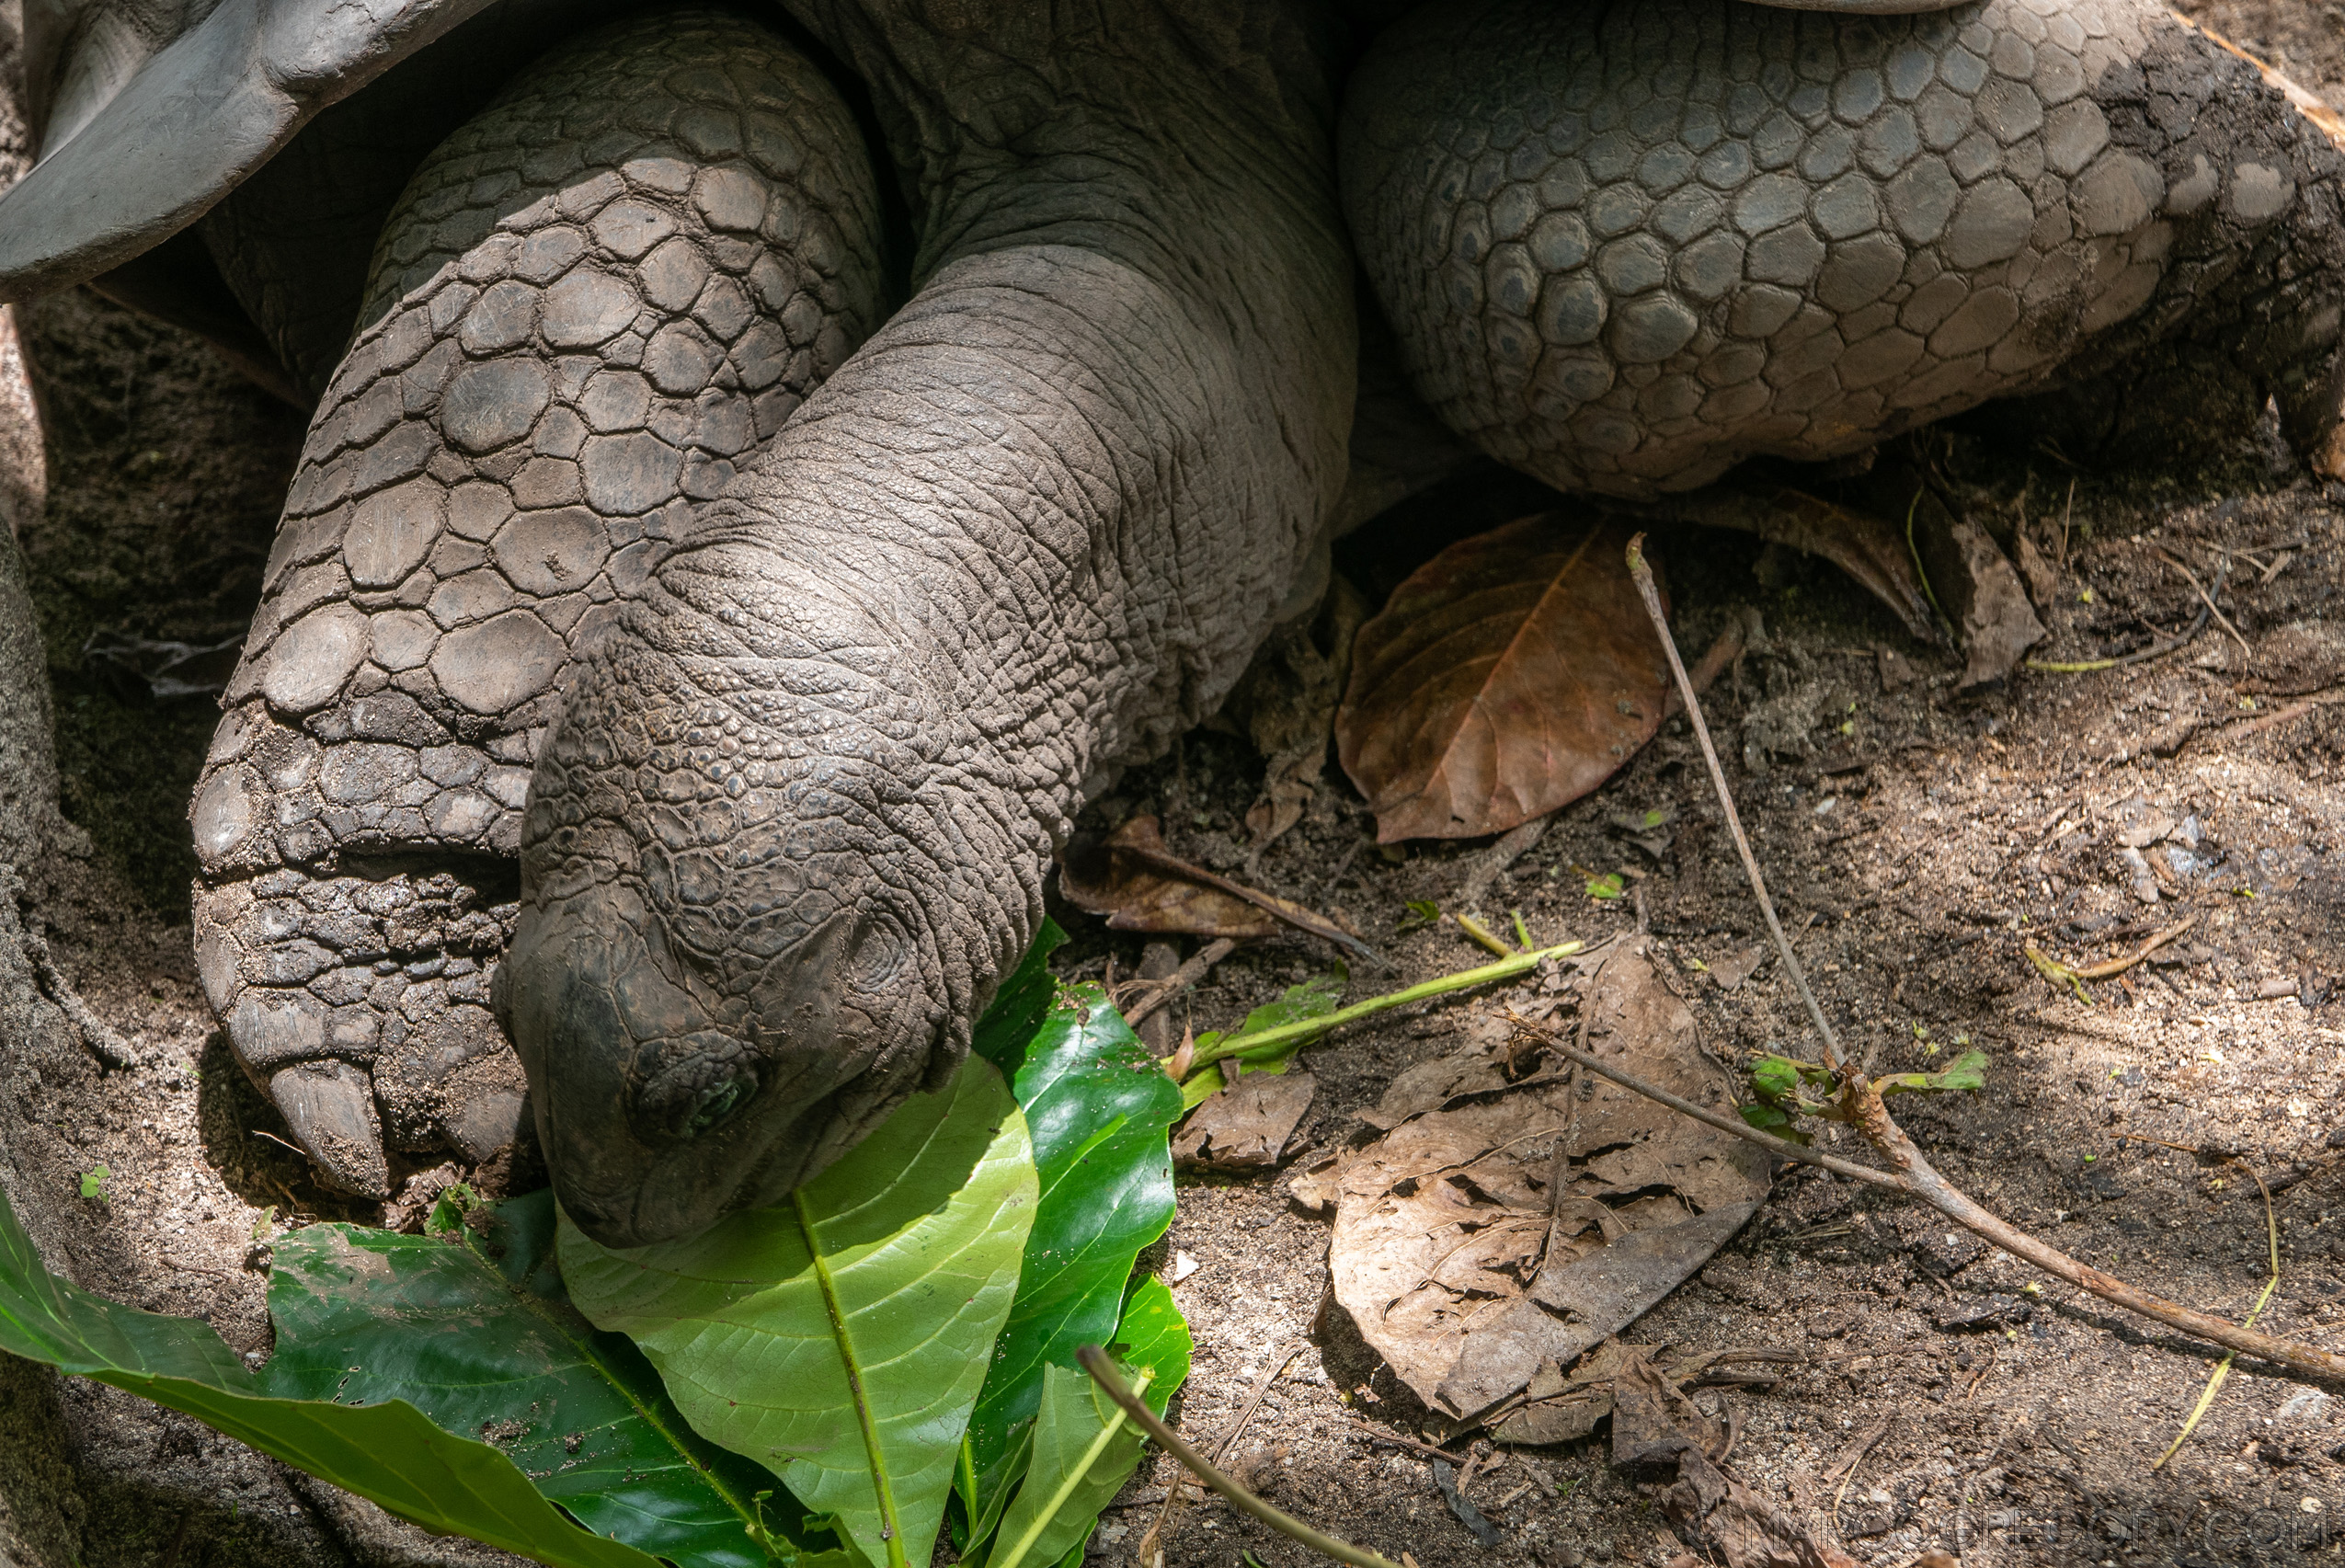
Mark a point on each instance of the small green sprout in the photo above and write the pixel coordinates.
(94, 1182)
(1421, 912)
(1607, 886)
(447, 1216)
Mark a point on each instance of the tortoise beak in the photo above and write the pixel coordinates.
(655, 1119)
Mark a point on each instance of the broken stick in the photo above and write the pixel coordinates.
(1102, 1372)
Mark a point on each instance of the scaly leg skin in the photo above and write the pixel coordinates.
(793, 824)
(1627, 245)
(591, 301)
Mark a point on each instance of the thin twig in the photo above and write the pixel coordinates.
(2206, 598)
(100, 1037)
(2111, 969)
(1848, 1468)
(1642, 575)
(1782, 1148)
(2214, 1383)
(2175, 643)
(2273, 720)
(1102, 1372)
(1511, 847)
(1151, 1543)
(1182, 979)
(1483, 935)
(1377, 1435)
(1724, 650)
(2070, 975)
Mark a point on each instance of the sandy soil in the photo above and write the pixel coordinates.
(1915, 852)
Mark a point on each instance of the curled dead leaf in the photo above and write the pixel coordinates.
(1663, 1444)
(1101, 878)
(1561, 1406)
(1868, 546)
(1509, 675)
(1140, 885)
(1286, 703)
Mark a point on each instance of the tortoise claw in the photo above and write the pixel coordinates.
(329, 1105)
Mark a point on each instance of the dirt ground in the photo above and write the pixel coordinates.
(1916, 838)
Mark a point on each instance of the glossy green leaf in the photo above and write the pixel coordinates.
(1084, 1447)
(475, 1330)
(1078, 1452)
(1965, 1071)
(1771, 1119)
(1153, 1337)
(1296, 1006)
(841, 1338)
(1020, 1007)
(390, 1452)
(1101, 1110)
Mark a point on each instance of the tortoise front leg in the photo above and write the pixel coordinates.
(591, 301)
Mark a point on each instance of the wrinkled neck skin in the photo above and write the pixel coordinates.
(794, 824)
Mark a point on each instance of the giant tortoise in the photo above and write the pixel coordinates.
(772, 462)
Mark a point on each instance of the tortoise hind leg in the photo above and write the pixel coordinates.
(1627, 247)
(616, 279)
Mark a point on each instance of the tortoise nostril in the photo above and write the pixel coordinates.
(715, 1105)
(704, 1081)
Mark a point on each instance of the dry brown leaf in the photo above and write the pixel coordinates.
(1453, 1250)
(1430, 1085)
(1979, 590)
(1140, 885)
(1286, 702)
(1509, 675)
(1561, 1406)
(1246, 1126)
(1662, 1441)
(1135, 895)
(1730, 971)
(1870, 548)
